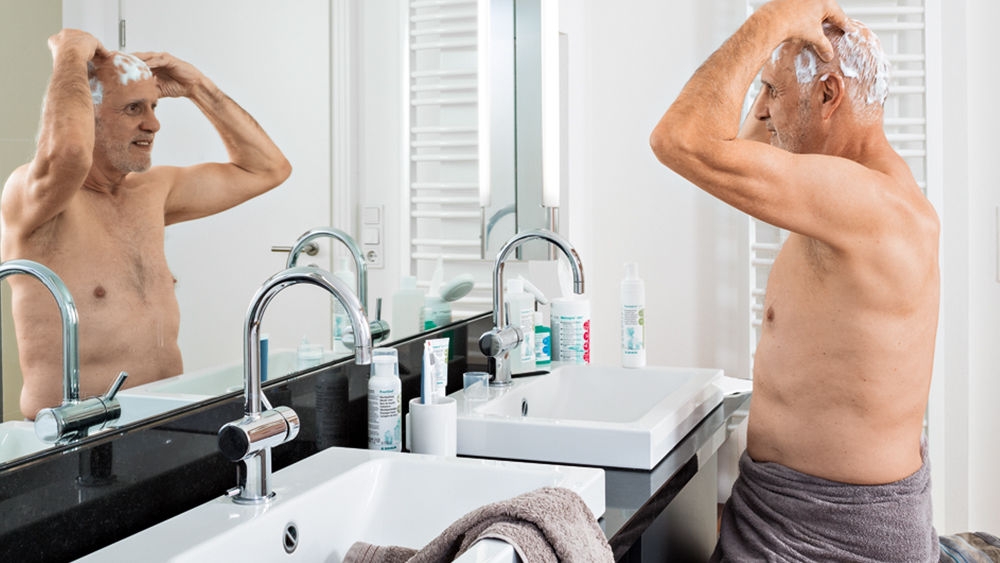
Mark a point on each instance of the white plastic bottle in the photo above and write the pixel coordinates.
(522, 314)
(385, 405)
(633, 318)
(570, 320)
(341, 320)
(407, 303)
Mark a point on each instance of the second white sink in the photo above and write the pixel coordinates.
(589, 415)
(336, 497)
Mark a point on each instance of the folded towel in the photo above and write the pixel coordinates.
(550, 524)
(970, 547)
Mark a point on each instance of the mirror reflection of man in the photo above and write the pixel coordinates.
(90, 207)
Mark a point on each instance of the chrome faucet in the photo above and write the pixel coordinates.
(359, 259)
(74, 418)
(498, 342)
(251, 438)
(378, 327)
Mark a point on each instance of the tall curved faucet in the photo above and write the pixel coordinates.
(498, 342)
(74, 417)
(359, 259)
(251, 438)
(379, 328)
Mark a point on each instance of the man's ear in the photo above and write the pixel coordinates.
(832, 89)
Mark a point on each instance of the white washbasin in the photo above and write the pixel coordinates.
(341, 495)
(139, 406)
(17, 439)
(150, 399)
(589, 415)
(216, 380)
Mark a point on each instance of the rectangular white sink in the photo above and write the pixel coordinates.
(341, 495)
(150, 399)
(140, 406)
(217, 380)
(589, 415)
(17, 439)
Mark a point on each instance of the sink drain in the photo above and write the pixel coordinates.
(291, 538)
(524, 407)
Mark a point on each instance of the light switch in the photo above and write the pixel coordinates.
(372, 215)
(373, 235)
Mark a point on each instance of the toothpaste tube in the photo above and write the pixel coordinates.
(439, 350)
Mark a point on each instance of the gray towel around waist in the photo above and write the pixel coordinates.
(778, 514)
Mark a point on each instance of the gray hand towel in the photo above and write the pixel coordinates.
(550, 524)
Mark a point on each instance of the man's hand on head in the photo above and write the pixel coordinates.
(803, 20)
(87, 44)
(174, 78)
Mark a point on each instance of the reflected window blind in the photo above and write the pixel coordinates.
(900, 26)
(445, 216)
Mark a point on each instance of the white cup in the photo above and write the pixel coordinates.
(432, 428)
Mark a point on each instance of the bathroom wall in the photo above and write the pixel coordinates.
(984, 290)
(26, 64)
(969, 382)
(625, 68)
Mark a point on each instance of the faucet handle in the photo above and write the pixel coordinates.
(311, 248)
(115, 386)
(242, 438)
(500, 340)
(76, 419)
(379, 329)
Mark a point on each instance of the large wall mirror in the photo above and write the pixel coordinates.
(316, 75)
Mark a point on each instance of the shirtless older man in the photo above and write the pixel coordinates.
(835, 467)
(90, 207)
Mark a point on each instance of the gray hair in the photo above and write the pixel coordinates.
(859, 58)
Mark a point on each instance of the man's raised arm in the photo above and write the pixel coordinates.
(256, 164)
(698, 136)
(38, 191)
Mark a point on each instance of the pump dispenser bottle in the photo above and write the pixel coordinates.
(385, 404)
(633, 317)
(407, 303)
(522, 314)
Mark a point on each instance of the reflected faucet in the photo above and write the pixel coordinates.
(378, 327)
(74, 418)
(492, 222)
(498, 342)
(359, 259)
(251, 438)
